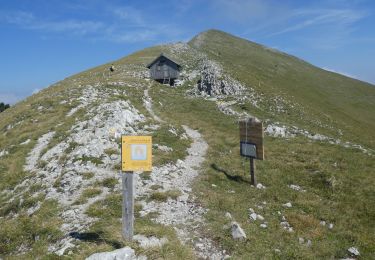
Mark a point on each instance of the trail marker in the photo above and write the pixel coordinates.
(136, 155)
(251, 143)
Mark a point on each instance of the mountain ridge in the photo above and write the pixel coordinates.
(60, 188)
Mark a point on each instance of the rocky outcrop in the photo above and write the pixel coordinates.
(213, 82)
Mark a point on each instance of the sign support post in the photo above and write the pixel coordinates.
(136, 156)
(251, 143)
(128, 189)
(252, 172)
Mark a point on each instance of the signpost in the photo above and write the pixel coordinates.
(136, 155)
(251, 143)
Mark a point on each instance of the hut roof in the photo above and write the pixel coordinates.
(162, 55)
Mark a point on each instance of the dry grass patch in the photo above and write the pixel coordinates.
(306, 224)
(163, 196)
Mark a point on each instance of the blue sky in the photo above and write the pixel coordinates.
(44, 41)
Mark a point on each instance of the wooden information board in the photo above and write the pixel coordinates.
(251, 134)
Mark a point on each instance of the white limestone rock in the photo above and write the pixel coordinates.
(3, 153)
(253, 216)
(228, 215)
(26, 142)
(296, 188)
(237, 232)
(125, 253)
(354, 251)
(260, 186)
(148, 242)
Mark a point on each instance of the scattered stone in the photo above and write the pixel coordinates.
(228, 215)
(214, 185)
(125, 253)
(3, 153)
(114, 157)
(330, 225)
(237, 232)
(26, 142)
(287, 205)
(253, 216)
(354, 251)
(260, 217)
(181, 164)
(277, 250)
(285, 224)
(173, 131)
(147, 242)
(296, 188)
(65, 246)
(32, 210)
(322, 223)
(309, 243)
(163, 148)
(251, 210)
(264, 225)
(260, 186)
(301, 240)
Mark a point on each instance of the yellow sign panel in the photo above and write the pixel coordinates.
(136, 153)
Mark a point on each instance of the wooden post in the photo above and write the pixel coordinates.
(252, 172)
(128, 205)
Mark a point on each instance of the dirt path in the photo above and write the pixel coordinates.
(183, 213)
(147, 102)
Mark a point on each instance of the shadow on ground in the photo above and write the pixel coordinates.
(95, 237)
(235, 178)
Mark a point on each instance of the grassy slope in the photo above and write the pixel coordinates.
(333, 99)
(338, 181)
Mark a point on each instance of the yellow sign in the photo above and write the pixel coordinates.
(136, 153)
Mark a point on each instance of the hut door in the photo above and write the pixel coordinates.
(165, 71)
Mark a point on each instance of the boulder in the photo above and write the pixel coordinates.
(237, 232)
(354, 251)
(125, 253)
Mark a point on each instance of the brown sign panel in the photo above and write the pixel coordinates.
(251, 131)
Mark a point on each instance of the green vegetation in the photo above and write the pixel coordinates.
(31, 231)
(106, 233)
(312, 165)
(85, 158)
(330, 101)
(163, 196)
(163, 136)
(109, 182)
(87, 194)
(87, 175)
